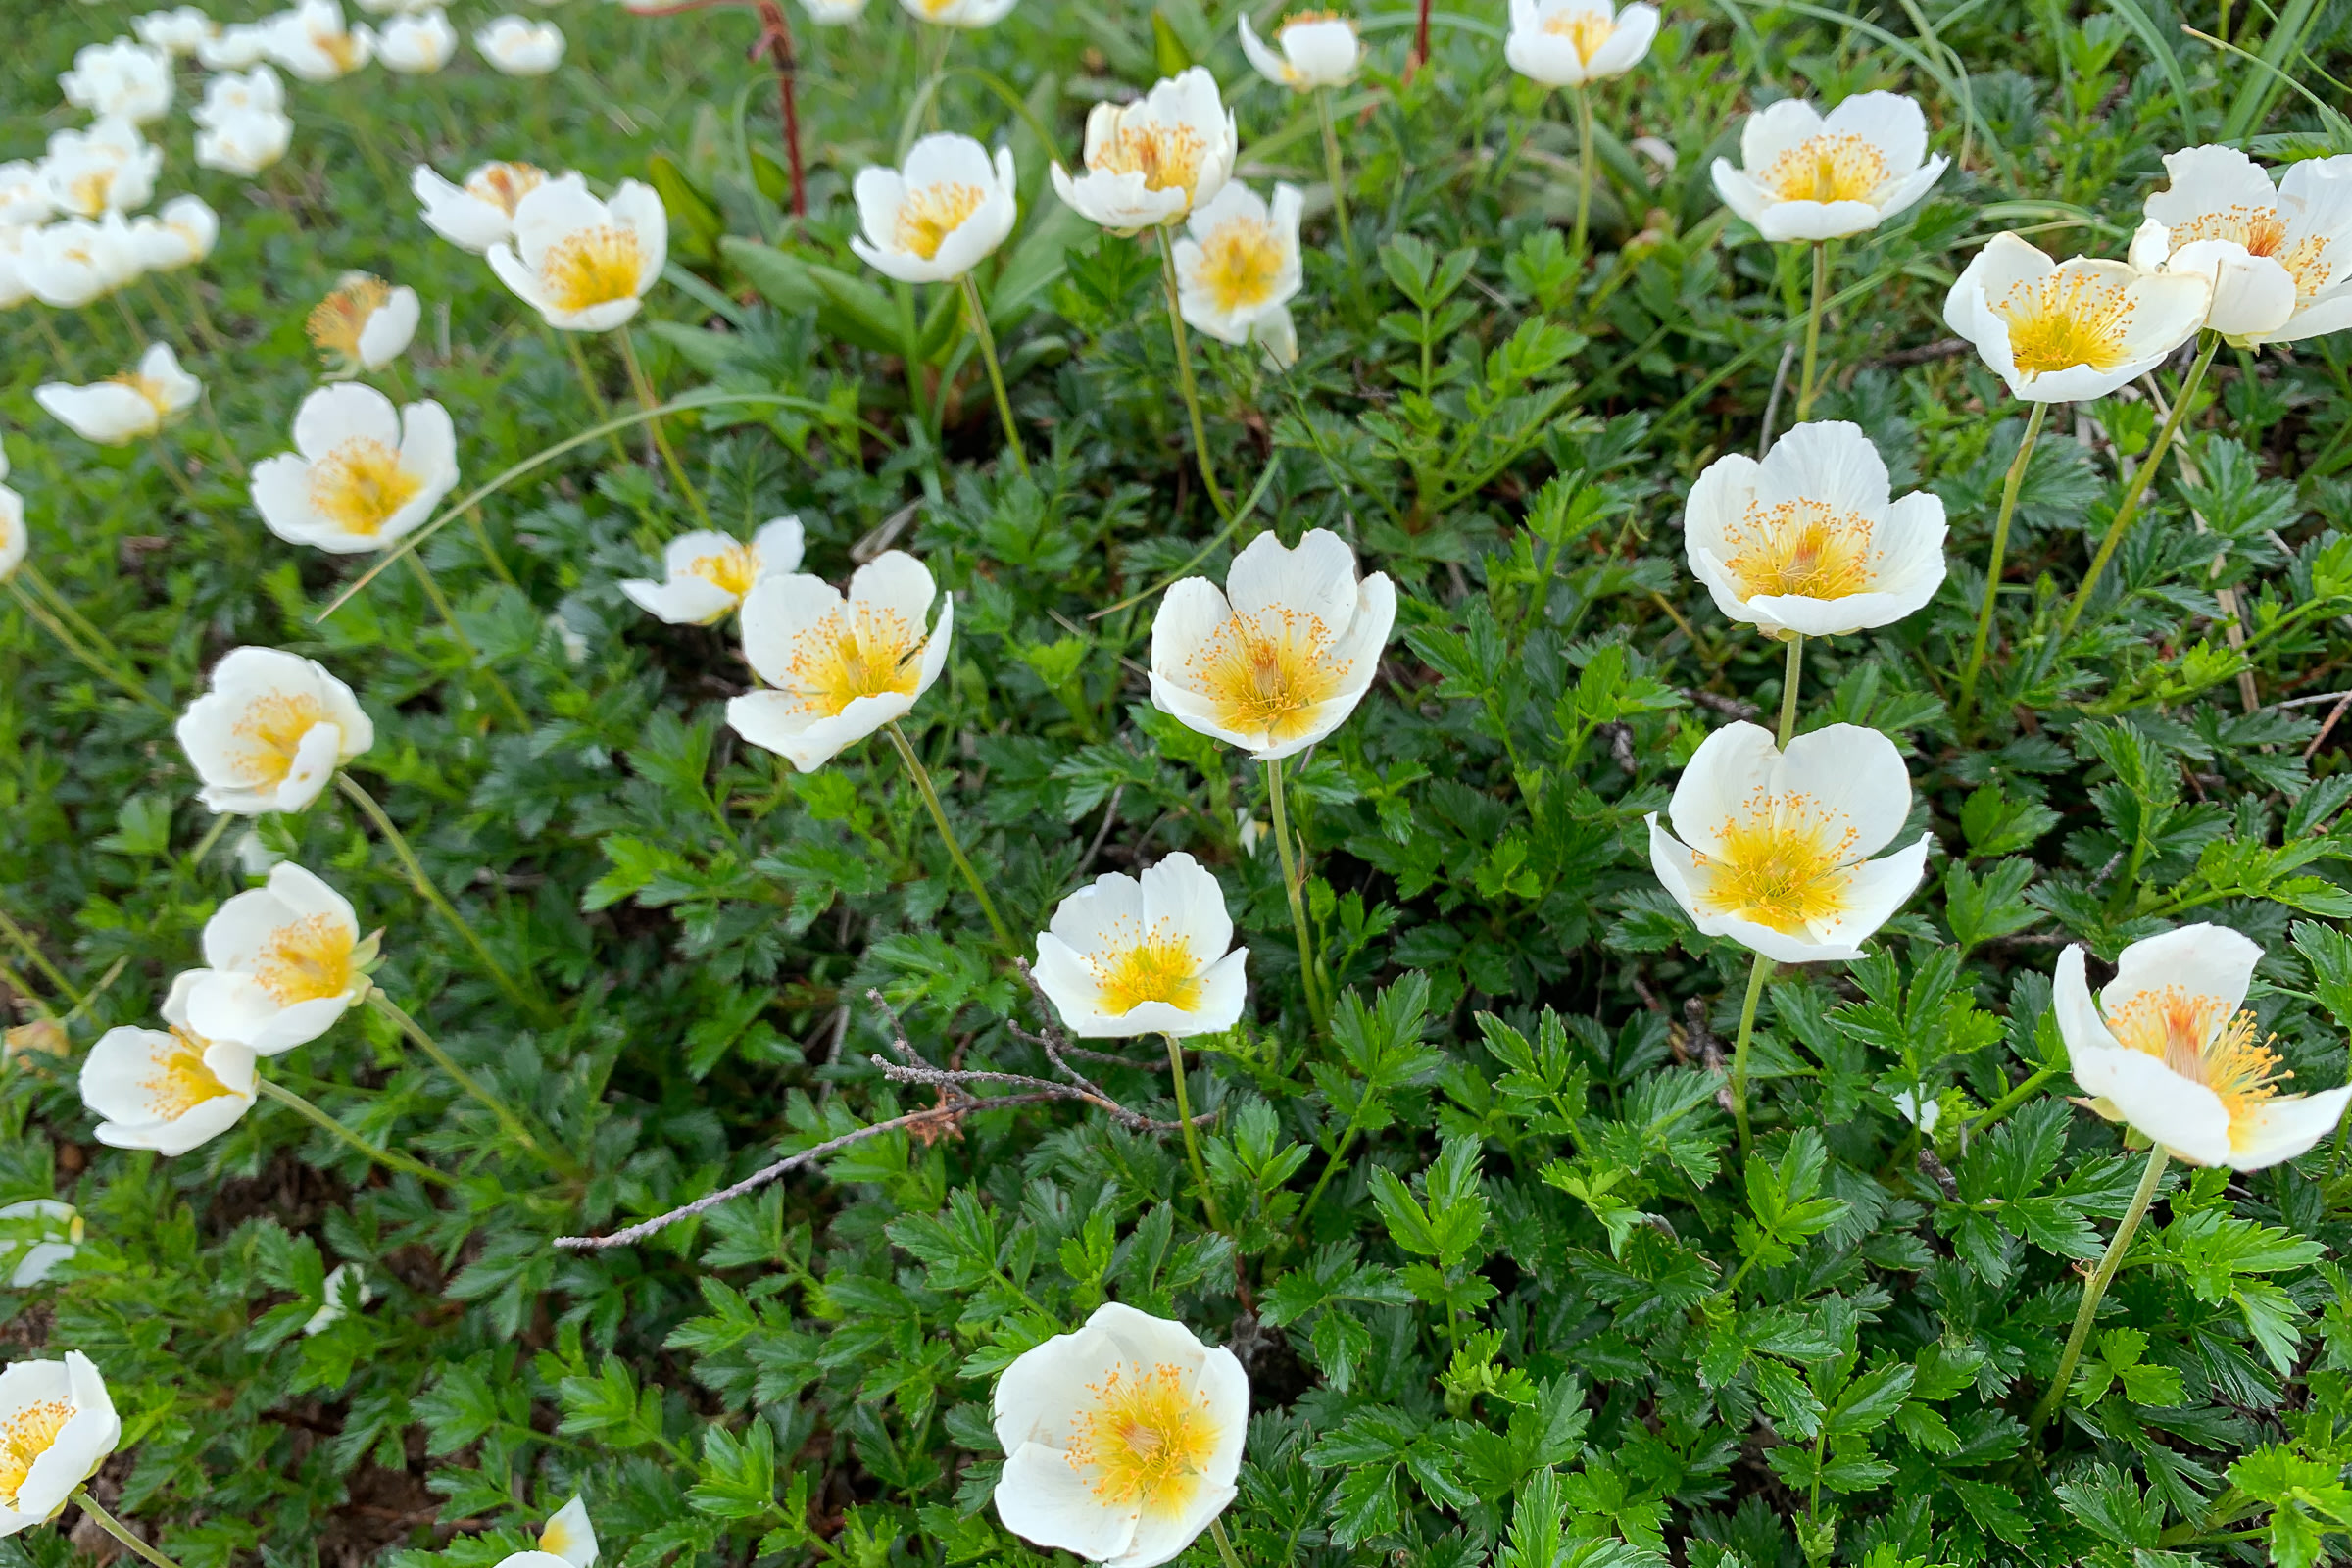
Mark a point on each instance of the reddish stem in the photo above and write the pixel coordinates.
(776, 41)
(1421, 36)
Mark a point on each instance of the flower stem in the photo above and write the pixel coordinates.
(939, 816)
(170, 466)
(228, 449)
(2139, 485)
(40, 960)
(117, 1529)
(1807, 384)
(162, 309)
(1192, 1137)
(473, 656)
(1336, 172)
(513, 1124)
(389, 1159)
(202, 317)
(1791, 677)
(648, 400)
(596, 394)
(1992, 563)
(1294, 889)
(996, 371)
(48, 621)
(67, 366)
(1747, 1030)
(1216, 1533)
(1579, 235)
(1184, 370)
(2096, 1287)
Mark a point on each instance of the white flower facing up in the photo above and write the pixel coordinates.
(519, 47)
(1147, 956)
(167, 1089)
(2279, 259)
(270, 732)
(1573, 43)
(312, 41)
(1238, 269)
(1314, 49)
(833, 13)
(2073, 330)
(362, 474)
(1121, 1440)
(239, 46)
(180, 30)
(25, 198)
(245, 143)
(128, 80)
(841, 666)
(569, 1536)
(480, 213)
(583, 264)
(364, 324)
(1808, 540)
(283, 963)
(417, 43)
(232, 93)
(343, 1292)
(939, 217)
(1153, 161)
(2167, 1048)
(964, 14)
(108, 168)
(75, 260)
(37, 1234)
(1281, 657)
(126, 407)
(1771, 848)
(57, 1426)
(1804, 175)
(181, 234)
(707, 573)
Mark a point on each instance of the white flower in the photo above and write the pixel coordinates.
(839, 667)
(313, 43)
(1772, 848)
(1153, 161)
(967, 13)
(941, 216)
(1571, 43)
(58, 1426)
(15, 541)
(239, 46)
(1280, 658)
(74, 261)
(1128, 957)
(364, 324)
(233, 94)
(828, 13)
(1319, 50)
(1121, 1440)
(14, 290)
(2168, 1049)
(1804, 177)
(569, 1536)
(41, 1233)
(167, 1088)
(2280, 260)
(1807, 541)
(361, 474)
(480, 213)
(181, 234)
(108, 168)
(1237, 270)
(283, 963)
(25, 198)
(582, 264)
(1921, 1113)
(120, 79)
(388, 8)
(2073, 330)
(244, 144)
(180, 30)
(707, 573)
(126, 407)
(343, 1292)
(520, 48)
(270, 732)
(416, 44)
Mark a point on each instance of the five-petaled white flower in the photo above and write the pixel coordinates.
(2169, 1049)
(363, 473)
(1122, 1441)
(2279, 259)
(181, 234)
(519, 47)
(706, 573)
(313, 43)
(1808, 177)
(364, 324)
(25, 199)
(1807, 540)
(480, 213)
(1771, 848)
(2073, 330)
(418, 43)
(1238, 269)
(239, 46)
(180, 30)
(1572, 43)
(108, 168)
(126, 407)
(283, 963)
(1153, 161)
(1317, 49)
(941, 216)
(270, 732)
(167, 1089)
(1145, 956)
(131, 80)
(584, 265)
(1281, 657)
(57, 1426)
(965, 14)
(244, 142)
(232, 93)
(840, 668)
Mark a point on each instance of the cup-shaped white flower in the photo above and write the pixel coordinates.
(1153, 161)
(270, 732)
(72, 262)
(1314, 49)
(361, 474)
(232, 93)
(1238, 269)
(343, 1292)
(569, 1536)
(15, 540)
(179, 31)
(132, 81)
(283, 963)
(25, 199)
(2169, 1049)
(519, 47)
(480, 213)
(1771, 848)
(108, 168)
(57, 1426)
(126, 407)
(841, 668)
(584, 265)
(2073, 330)
(167, 1089)
(942, 215)
(1804, 175)
(244, 143)
(181, 234)
(833, 13)
(416, 44)
(964, 14)
(238, 46)
(706, 573)
(1808, 540)
(312, 41)
(364, 324)
(37, 1234)
(1572, 43)
(1121, 1440)
(1281, 657)
(2279, 259)
(1147, 956)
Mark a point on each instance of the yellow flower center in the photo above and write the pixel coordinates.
(269, 734)
(1168, 157)
(148, 387)
(593, 267)
(343, 48)
(2203, 1040)
(1781, 864)
(87, 194)
(304, 959)
(854, 653)
(503, 185)
(1803, 547)
(1829, 168)
(1268, 673)
(731, 571)
(555, 1537)
(360, 484)
(1145, 1441)
(1587, 31)
(338, 320)
(177, 1080)
(2263, 232)
(928, 217)
(1239, 263)
(1155, 966)
(2067, 318)
(24, 1437)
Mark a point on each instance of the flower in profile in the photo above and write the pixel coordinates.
(180, 30)
(1237, 270)
(838, 668)
(181, 234)
(37, 1234)
(1122, 1442)
(480, 213)
(167, 1089)
(72, 262)
(1153, 161)
(239, 46)
(1146, 955)
(569, 1536)
(244, 143)
(283, 963)
(232, 93)
(2169, 1047)
(363, 473)
(1281, 657)
(1803, 176)
(964, 14)
(2073, 330)
(57, 1426)
(707, 573)
(25, 199)
(270, 732)
(417, 43)
(1771, 848)
(833, 13)
(2280, 258)
(127, 407)
(519, 47)
(122, 80)
(342, 1292)
(1808, 540)
(1312, 49)
(364, 324)
(107, 168)
(1572, 43)
(313, 43)
(584, 265)
(942, 215)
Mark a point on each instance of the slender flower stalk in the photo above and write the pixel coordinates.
(996, 371)
(1808, 383)
(1184, 373)
(939, 816)
(67, 362)
(43, 617)
(1762, 967)
(117, 1529)
(473, 656)
(1216, 1526)
(390, 1160)
(1309, 974)
(587, 376)
(2000, 549)
(1192, 1136)
(508, 1118)
(165, 461)
(1336, 172)
(2096, 1287)
(202, 317)
(229, 448)
(1579, 235)
(2139, 486)
(40, 960)
(647, 400)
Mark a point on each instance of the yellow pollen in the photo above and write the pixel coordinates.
(2263, 232)
(1803, 548)
(360, 485)
(177, 1081)
(1268, 673)
(1782, 865)
(504, 185)
(269, 734)
(730, 571)
(1168, 157)
(89, 192)
(343, 48)
(305, 961)
(1587, 31)
(1155, 966)
(2067, 318)
(593, 267)
(1833, 167)
(555, 1537)
(928, 217)
(841, 659)
(1146, 1439)
(338, 320)
(1239, 263)
(24, 1437)
(145, 386)
(2203, 1040)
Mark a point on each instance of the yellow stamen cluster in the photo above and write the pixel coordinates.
(360, 484)
(177, 1080)
(592, 266)
(89, 192)
(504, 185)
(730, 571)
(1155, 966)
(1268, 672)
(269, 731)
(146, 386)
(24, 1437)
(336, 322)
(1783, 863)
(1145, 1440)
(866, 651)
(1587, 31)
(1239, 263)
(305, 961)
(2202, 1040)
(1168, 157)
(928, 216)
(1833, 167)
(2066, 319)
(1804, 548)
(2263, 231)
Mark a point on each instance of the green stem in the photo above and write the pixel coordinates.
(649, 402)
(473, 656)
(389, 1159)
(203, 318)
(228, 449)
(1986, 1118)
(170, 466)
(162, 309)
(139, 335)
(39, 960)
(1216, 1533)
(97, 666)
(1294, 890)
(2096, 1287)
(939, 816)
(996, 371)
(481, 536)
(1992, 563)
(513, 1124)
(1184, 370)
(1791, 677)
(1747, 1029)
(2139, 485)
(1331, 1169)
(1807, 385)
(1584, 177)
(596, 394)
(67, 366)
(1192, 1137)
(1336, 174)
(117, 1529)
